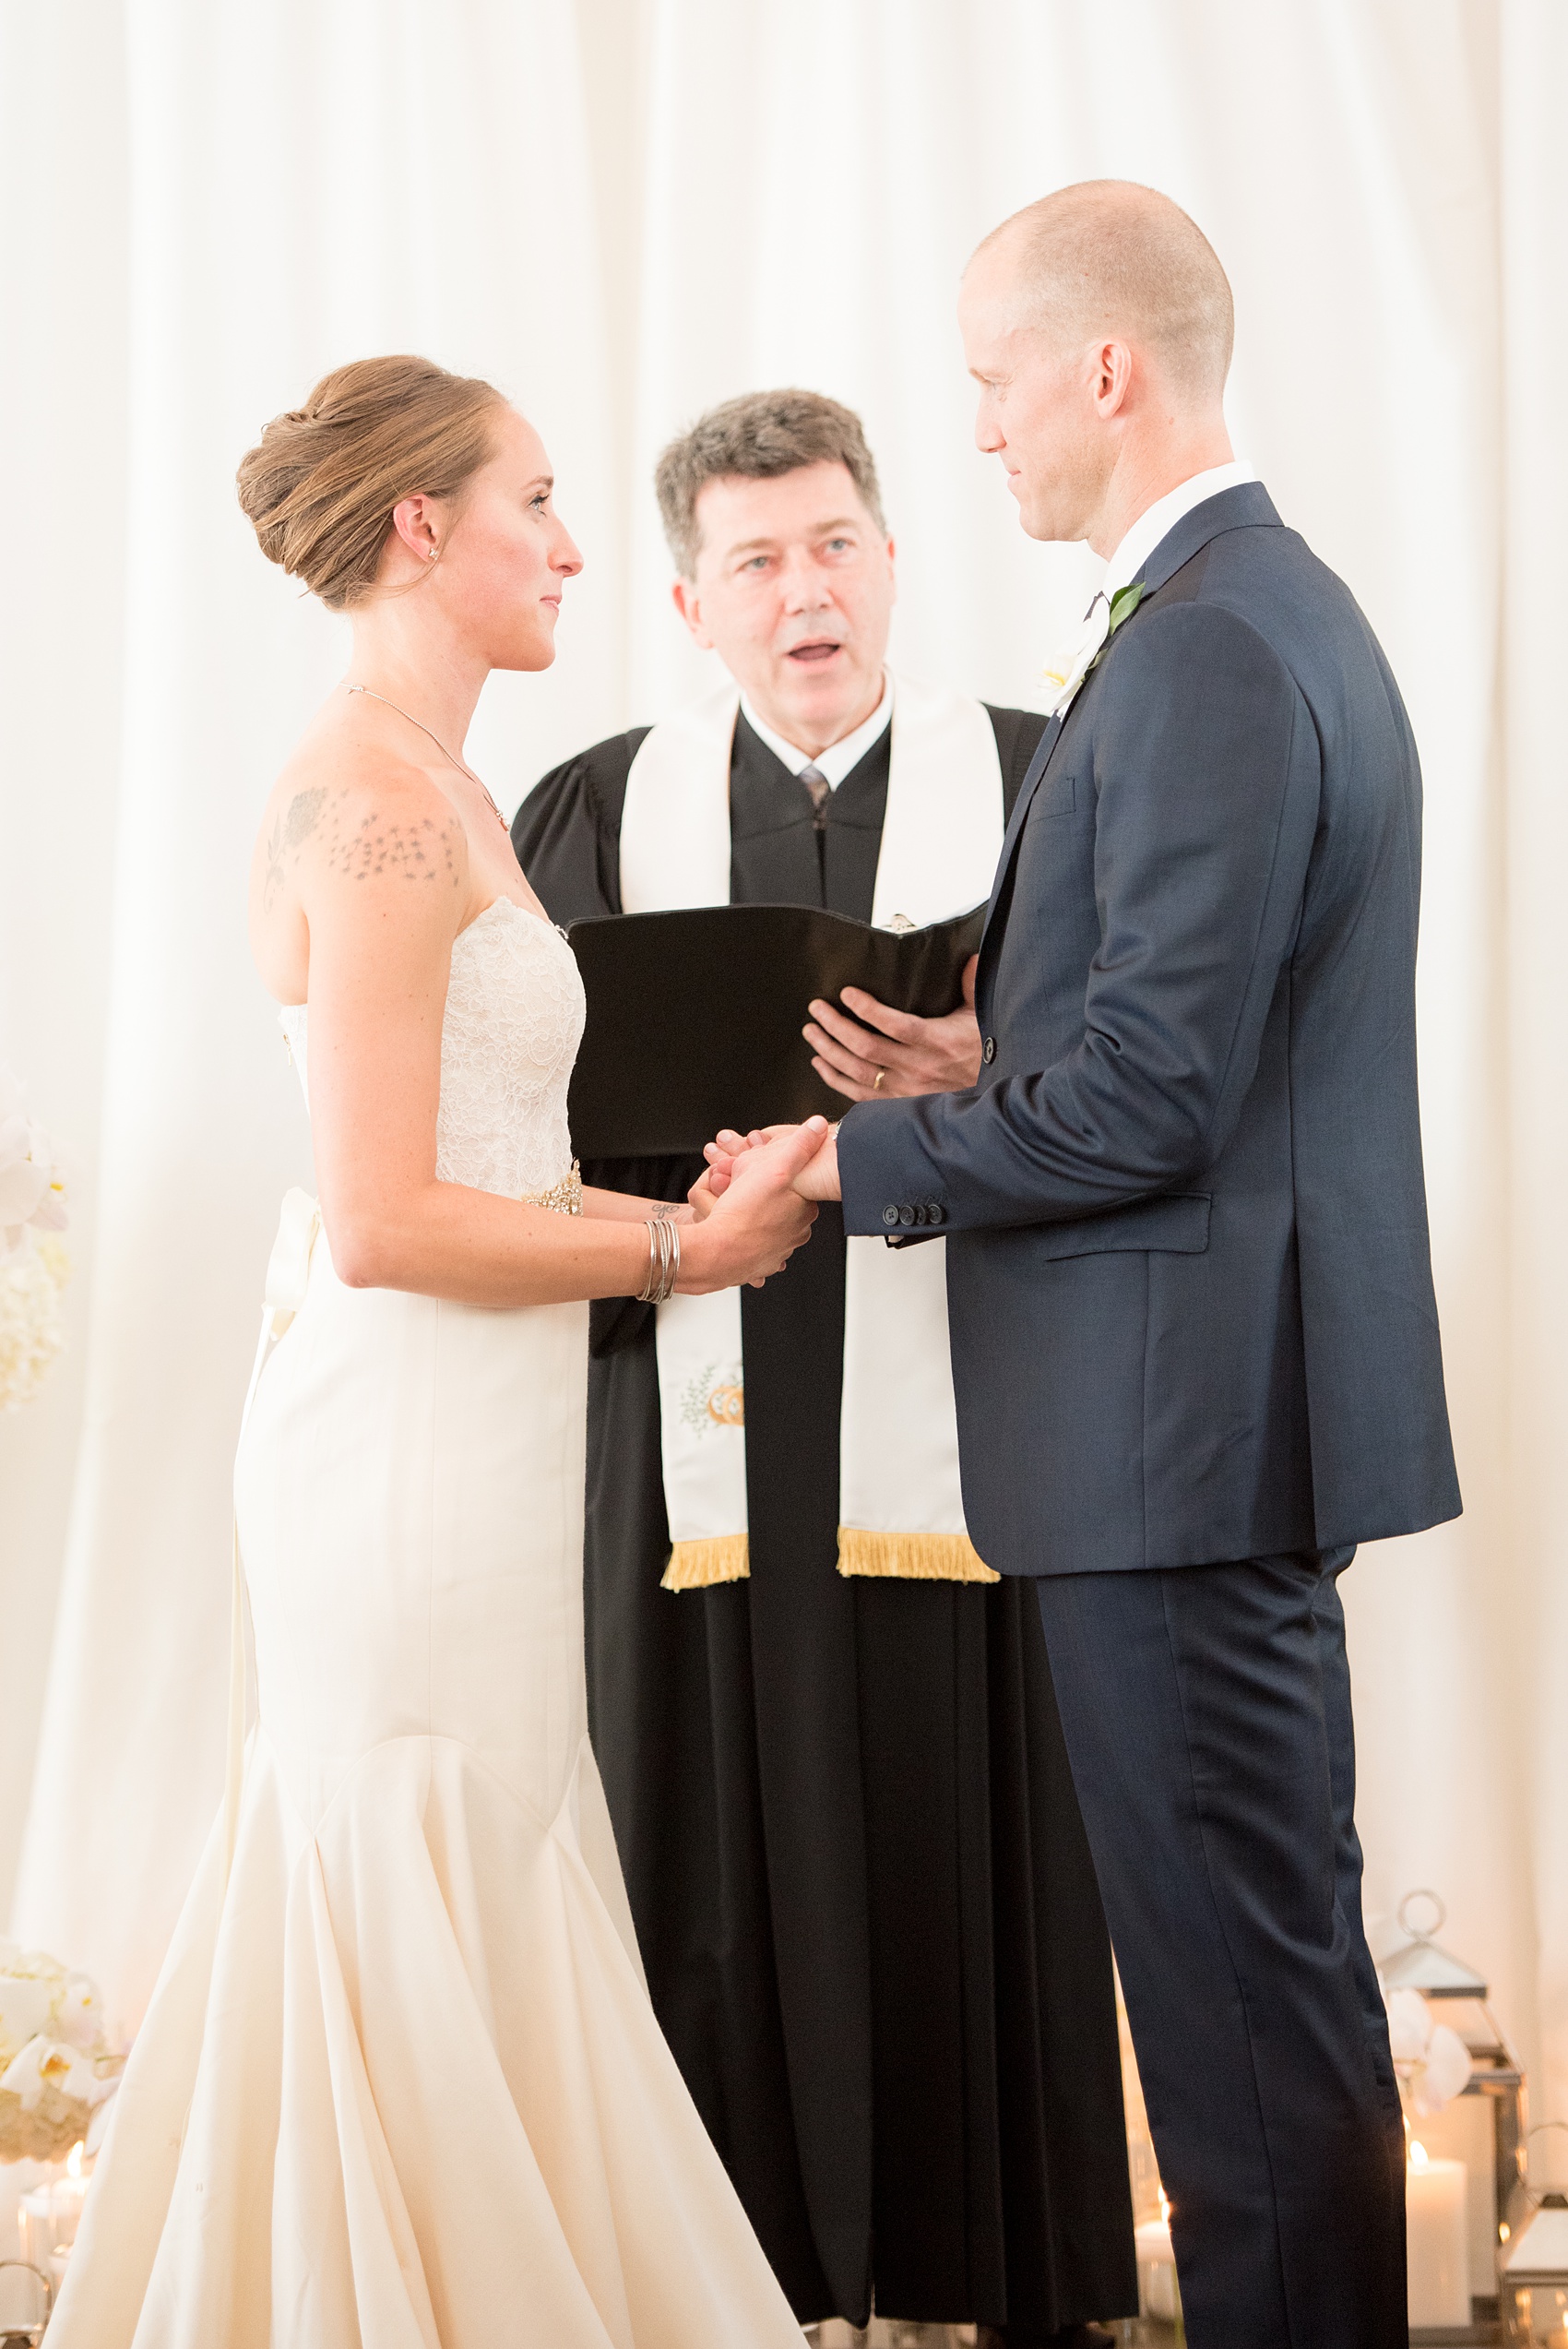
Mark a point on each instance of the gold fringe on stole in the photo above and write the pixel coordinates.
(696, 1566)
(913, 1557)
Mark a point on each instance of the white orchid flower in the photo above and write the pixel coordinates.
(79, 2016)
(25, 2005)
(1445, 2073)
(31, 1184)
(1434, 2060)
(44, 2063)
(1409, 2026)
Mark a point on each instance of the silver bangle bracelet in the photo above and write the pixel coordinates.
(663, 1261)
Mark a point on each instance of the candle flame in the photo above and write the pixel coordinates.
(74, 2161)
(1418, 2154)
(1164, 2204)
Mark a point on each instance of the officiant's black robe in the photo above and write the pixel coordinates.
(862, 1890)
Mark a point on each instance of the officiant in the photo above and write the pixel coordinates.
(827, 1732)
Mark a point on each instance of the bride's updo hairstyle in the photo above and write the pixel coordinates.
(320, 484)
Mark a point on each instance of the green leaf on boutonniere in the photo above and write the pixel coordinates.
(1124, 602)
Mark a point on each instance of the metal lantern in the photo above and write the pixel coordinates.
(16, 2332)
(1532, 2271)
(1460, 1993)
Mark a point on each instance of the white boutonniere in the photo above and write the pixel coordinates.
(1105, 615)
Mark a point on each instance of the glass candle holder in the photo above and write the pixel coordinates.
(49, 2216)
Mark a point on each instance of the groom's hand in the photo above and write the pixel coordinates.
(761, 1213)
(907, 1054)
(818, 1179)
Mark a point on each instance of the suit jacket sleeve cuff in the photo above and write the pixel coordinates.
(885, 1177)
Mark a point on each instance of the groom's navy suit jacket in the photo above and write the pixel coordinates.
(1189, 1281)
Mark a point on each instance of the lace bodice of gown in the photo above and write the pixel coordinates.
(513, 1023)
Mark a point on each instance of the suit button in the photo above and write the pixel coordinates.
(890, 1216)
(905, 1215)
(934, 1211)
(989, 1055)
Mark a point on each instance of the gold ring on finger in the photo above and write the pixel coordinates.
(876, 1081)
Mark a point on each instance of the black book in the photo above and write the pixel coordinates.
(695, 1017)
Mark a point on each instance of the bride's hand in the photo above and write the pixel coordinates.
(704, 1195)
(758, 1221)
(721, 1153)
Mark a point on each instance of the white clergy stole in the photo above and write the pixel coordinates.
(900, 1509)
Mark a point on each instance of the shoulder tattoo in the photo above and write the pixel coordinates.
(420, 850)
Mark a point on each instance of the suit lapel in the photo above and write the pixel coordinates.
(1030, 784)
(1247, 507)
(1027, 790)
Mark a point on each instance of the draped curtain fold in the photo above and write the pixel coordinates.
(623, 209)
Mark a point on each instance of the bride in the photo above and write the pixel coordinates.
(399, 2084)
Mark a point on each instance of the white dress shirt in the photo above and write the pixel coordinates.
(1164, 514)
(840, 757)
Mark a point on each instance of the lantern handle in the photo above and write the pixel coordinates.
(1417, 1932)
(1533, 2195)
(32, 2331)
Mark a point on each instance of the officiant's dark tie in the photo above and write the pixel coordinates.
(818, 785)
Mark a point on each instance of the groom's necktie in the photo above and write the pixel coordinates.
(818, 785)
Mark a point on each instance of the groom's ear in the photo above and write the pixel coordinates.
(688, 603)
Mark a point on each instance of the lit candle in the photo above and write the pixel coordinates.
(1435, 2240)
(1157, 2267)
(51, 2214)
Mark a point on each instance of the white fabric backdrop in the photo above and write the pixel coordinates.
(624, 211)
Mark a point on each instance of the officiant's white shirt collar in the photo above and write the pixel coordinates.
(841, 758)
(1165, 513)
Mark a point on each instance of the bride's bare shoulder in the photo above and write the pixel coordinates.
(348, 814)
(349, 831)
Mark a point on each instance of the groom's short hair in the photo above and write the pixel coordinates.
(757, 438)
(1109, 257)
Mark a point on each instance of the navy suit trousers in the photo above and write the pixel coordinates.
(1207, 1718)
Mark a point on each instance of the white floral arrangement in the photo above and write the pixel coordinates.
(34, 1266)
(56, 2066)
(1432, 2062)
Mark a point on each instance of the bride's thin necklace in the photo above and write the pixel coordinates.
(440, 746)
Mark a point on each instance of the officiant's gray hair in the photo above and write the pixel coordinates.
(1108, 256)
(757, 438)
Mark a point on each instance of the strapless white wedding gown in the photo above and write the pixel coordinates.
(400, 2084)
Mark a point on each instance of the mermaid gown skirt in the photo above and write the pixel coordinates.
(399, 2084)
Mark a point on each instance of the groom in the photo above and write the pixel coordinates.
(1194, 1341)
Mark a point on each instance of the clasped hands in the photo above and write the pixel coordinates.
(877, 1055)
